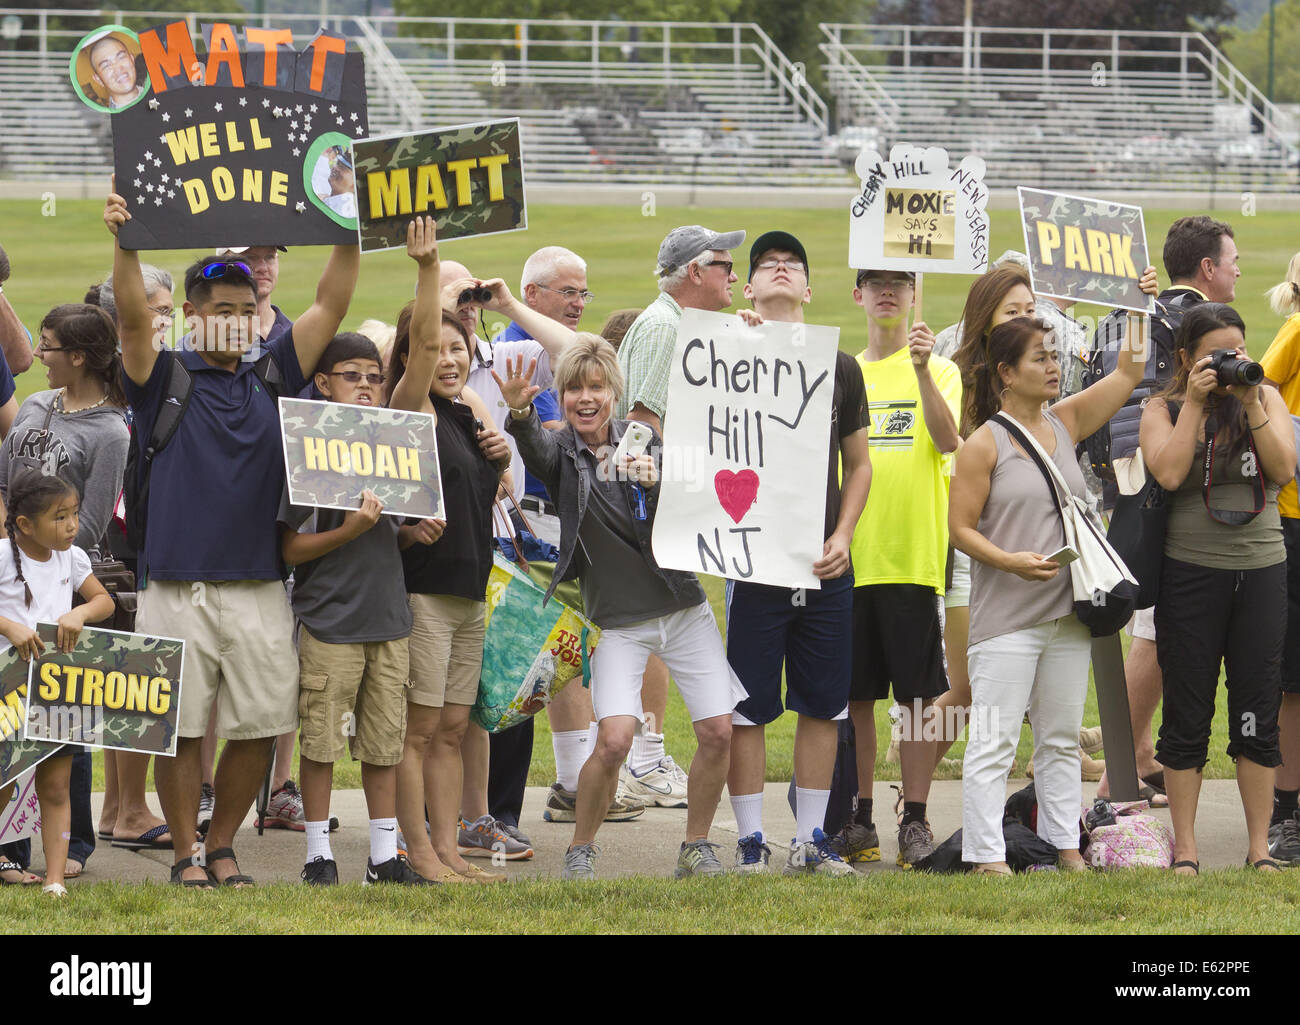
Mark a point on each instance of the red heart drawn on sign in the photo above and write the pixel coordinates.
(736, 491)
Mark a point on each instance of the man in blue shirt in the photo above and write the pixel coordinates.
(209, 568)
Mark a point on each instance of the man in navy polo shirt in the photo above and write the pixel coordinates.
(209, 570)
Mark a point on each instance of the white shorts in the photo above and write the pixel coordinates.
(958, 595)
(1143, 624)
(690, 646)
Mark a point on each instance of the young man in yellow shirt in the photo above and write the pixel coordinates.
(899, 551)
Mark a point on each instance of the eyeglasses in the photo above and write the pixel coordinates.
(726, 266)
(215, 271)
(774, 263)
(355, 376)
(880, 284)
(166, 312)
(570, 293)
(42, 348)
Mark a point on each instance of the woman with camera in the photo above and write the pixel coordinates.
(1222, 446)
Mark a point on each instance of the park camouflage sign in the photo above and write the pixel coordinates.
(248, 144)
(116, 690)
(1085, 249)
(470, 179)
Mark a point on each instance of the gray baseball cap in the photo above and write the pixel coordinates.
(684, 244)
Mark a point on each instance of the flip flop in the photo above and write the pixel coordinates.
(1195, 866)
(105, 834)
(1264, 864)
(29, 878)
(147, 841)
(1149, 793)
(1156, 781)
(71, 872)
(196, 884)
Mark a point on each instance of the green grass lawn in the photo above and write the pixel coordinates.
(1137, 902)
(56, 258)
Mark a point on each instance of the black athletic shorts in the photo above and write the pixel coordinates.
(898, 639)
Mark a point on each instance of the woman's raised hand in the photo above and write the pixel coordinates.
(422, 241)
(516, 389)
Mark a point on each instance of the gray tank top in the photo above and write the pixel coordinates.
(1020, 516)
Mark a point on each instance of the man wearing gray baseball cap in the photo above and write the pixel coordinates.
(694, 270)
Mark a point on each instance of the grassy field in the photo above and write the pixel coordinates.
(1139, 902)
(55, 258)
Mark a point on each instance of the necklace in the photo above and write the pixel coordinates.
(58, 403)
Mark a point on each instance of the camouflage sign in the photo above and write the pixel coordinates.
(17, 755)
(1085, 249)
(470, 178)
(333, 452)
(114, 690)
(21, 817)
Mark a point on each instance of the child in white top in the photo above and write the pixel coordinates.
(39, 569)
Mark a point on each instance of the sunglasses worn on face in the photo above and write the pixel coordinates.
(355, 376)
(726, 266)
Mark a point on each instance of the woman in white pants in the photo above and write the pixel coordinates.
(1027, 648)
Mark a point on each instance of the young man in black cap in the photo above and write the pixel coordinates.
(805, 630)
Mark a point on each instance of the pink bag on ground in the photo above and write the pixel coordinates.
(1134, 841)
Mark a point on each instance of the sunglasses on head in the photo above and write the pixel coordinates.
(214, 271)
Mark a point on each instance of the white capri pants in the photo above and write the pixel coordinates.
(691, 648)
(1044, 669)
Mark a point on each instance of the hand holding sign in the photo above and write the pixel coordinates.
(25, 640)
(920, 343)
(358, 521)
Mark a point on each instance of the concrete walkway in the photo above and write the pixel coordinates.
(644, 846)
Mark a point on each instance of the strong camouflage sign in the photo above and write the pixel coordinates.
(17, 754)
(1085, 249)
(333, 452)
(114, 690)
(469, 178)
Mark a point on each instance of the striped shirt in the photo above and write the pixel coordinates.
(646, 356)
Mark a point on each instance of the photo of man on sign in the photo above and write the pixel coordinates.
(105, 71)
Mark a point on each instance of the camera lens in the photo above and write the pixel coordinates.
(1232, 369)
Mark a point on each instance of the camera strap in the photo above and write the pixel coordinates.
(1231, 517)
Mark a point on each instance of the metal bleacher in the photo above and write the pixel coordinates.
(1063, 110)
(48, 132)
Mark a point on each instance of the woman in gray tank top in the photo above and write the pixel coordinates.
(1027, 650)
(1223, 585)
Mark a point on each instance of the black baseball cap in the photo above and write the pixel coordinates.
(867, 271)
(770, 240)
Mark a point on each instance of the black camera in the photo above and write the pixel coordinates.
(1232, 369)
(477, 294)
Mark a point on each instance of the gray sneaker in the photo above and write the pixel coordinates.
(857, 843)
(1284, 841)
(207, 799)
(580, 862)
(698, 858)
(562, 806)
(815, 857)
(485, 837)
(915, 842)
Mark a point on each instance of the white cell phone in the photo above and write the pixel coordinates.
(1063, 556)
(635, 440)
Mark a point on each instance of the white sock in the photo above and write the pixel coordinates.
(748, 809)
(810, 812)
(318, 841)
(383, 840)
(647, 751)
(571, 749)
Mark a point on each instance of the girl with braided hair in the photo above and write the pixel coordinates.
(40, 567)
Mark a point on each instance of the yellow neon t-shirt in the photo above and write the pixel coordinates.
(902, 536)
(1282, 364)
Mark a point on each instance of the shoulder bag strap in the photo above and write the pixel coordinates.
(1036, 453)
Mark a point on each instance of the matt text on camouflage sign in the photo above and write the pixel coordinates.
(469, 178)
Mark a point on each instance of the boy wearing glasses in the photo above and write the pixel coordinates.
(350, 597)
(899, 551)
(210, 568)
(802, 630)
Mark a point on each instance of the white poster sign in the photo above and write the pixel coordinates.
(915, 213)
(21, 817)
(745, 449)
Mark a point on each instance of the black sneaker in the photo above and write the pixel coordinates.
(320, 872)
(394, 870)
(1284, 840)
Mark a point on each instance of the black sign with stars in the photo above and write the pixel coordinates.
(219, 165)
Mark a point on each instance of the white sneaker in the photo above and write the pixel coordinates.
(664, 785)
(815, 857)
